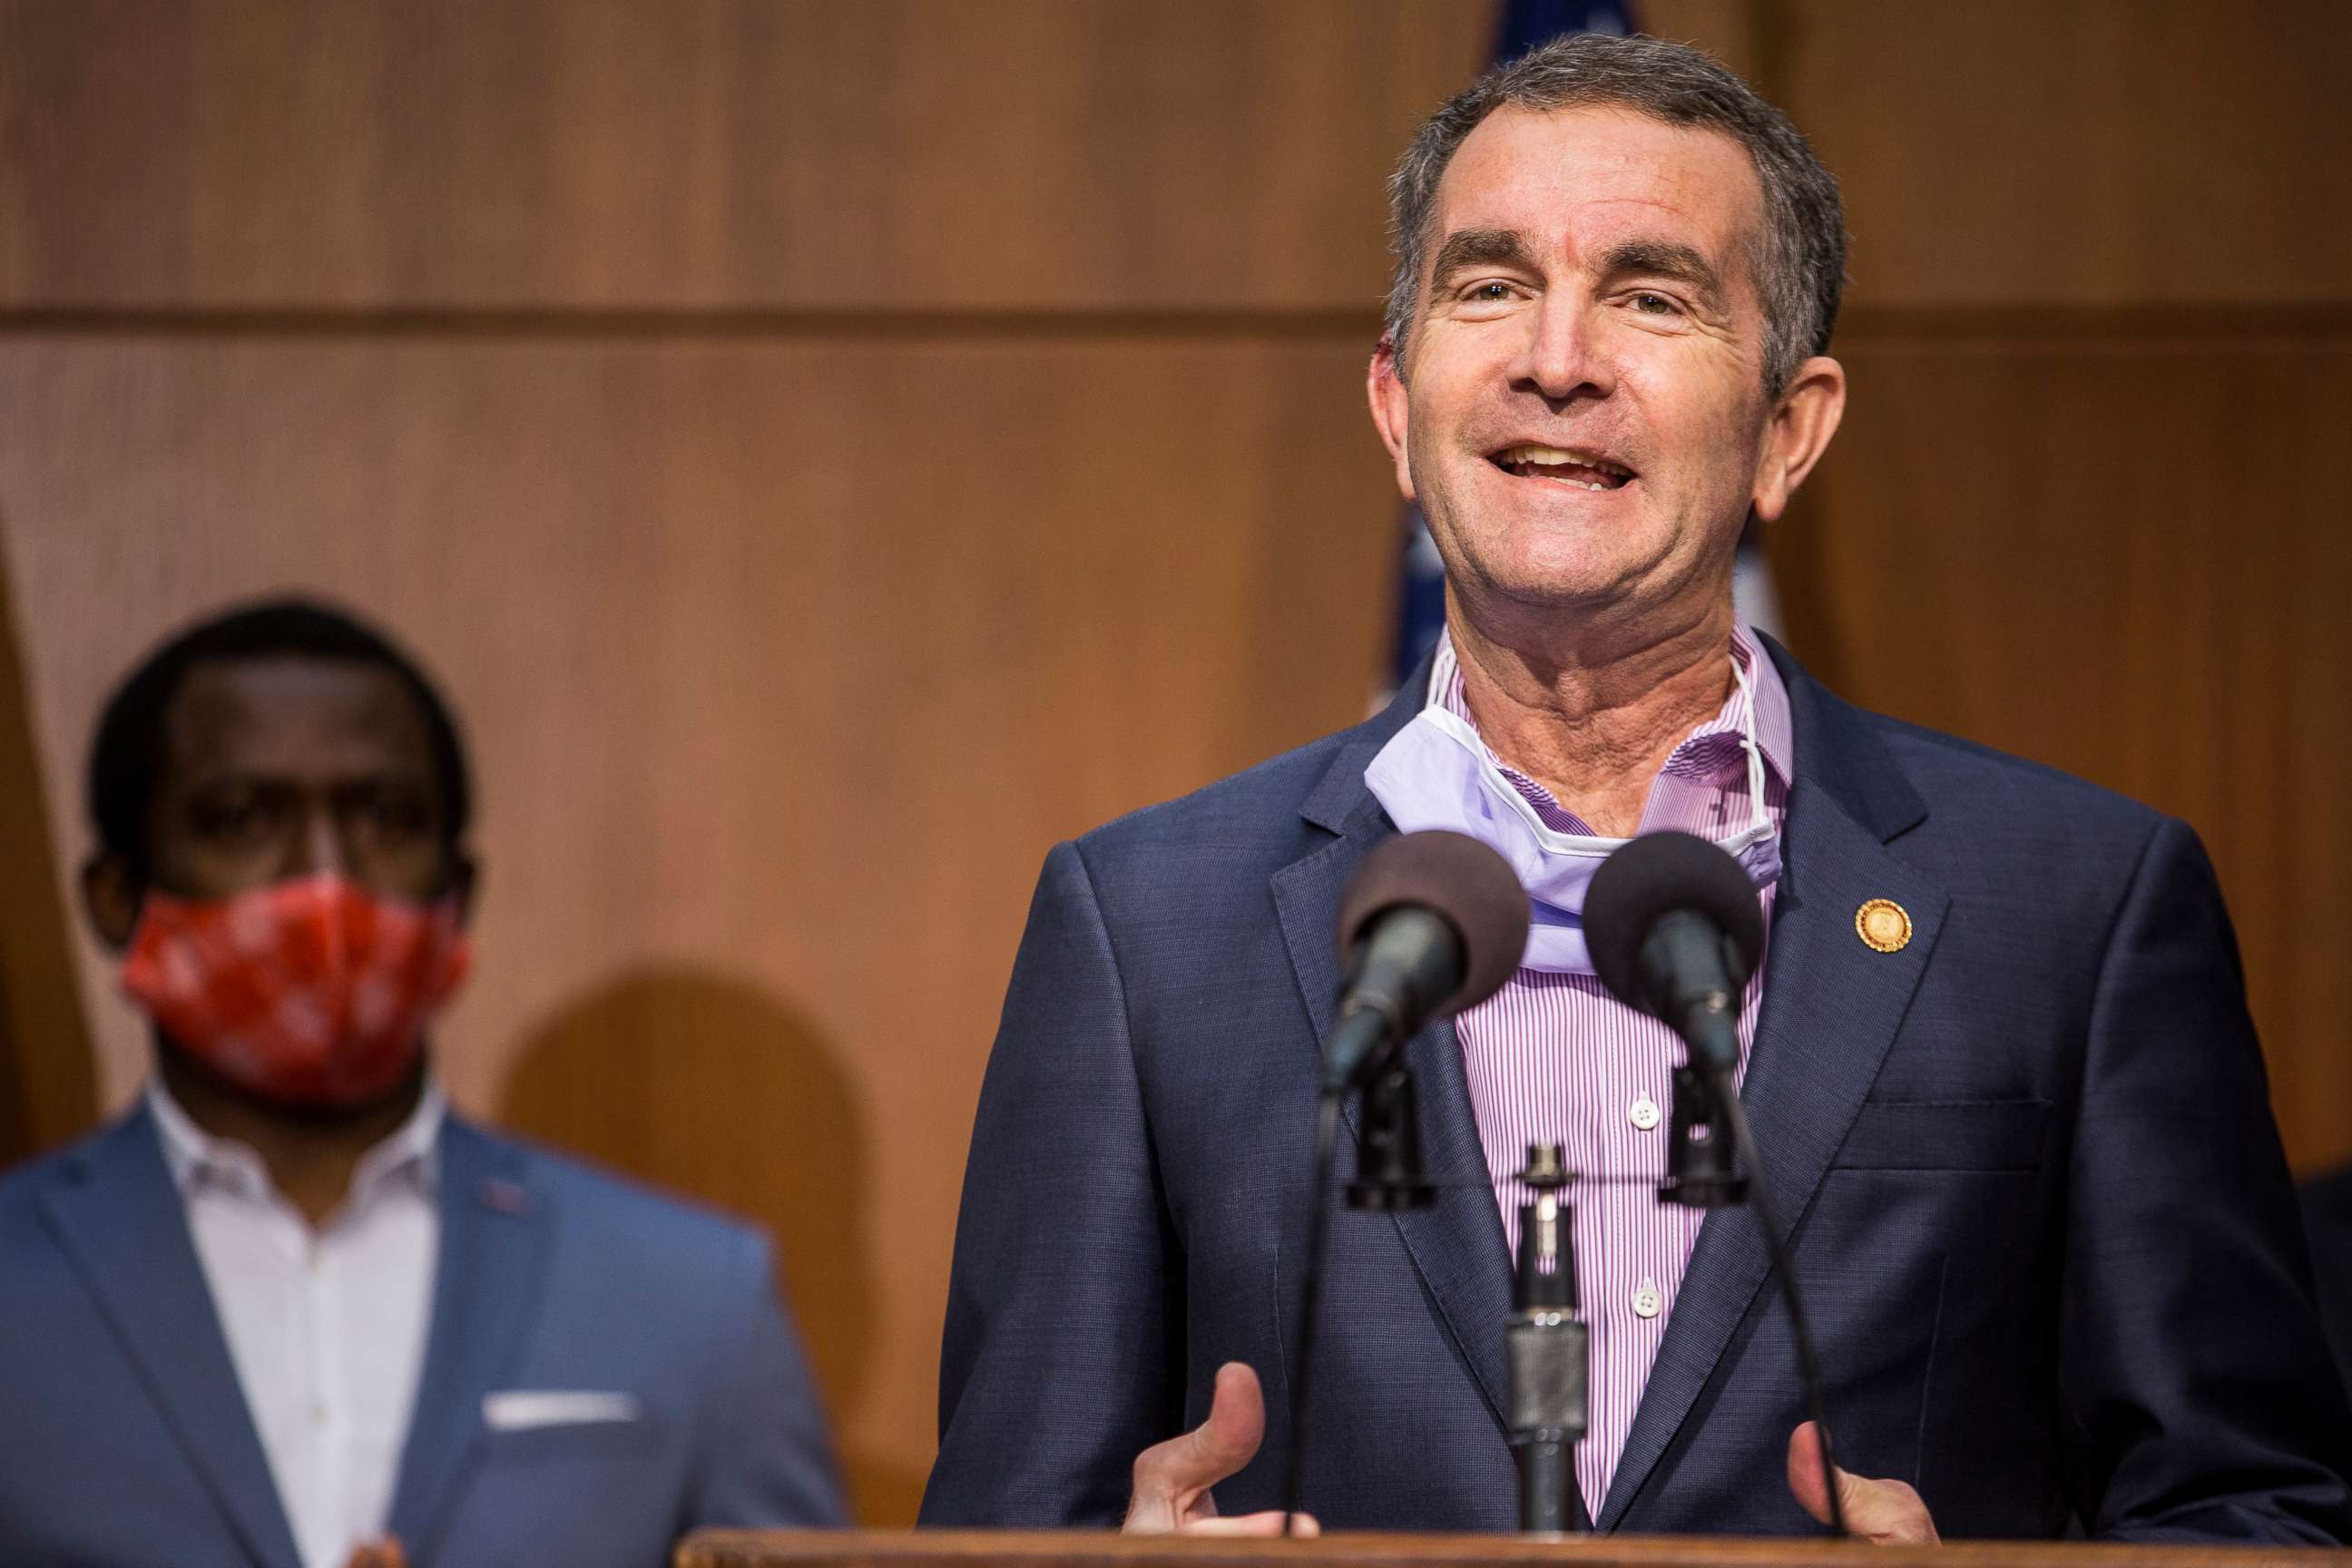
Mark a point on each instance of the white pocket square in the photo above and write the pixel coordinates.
(520, 1409)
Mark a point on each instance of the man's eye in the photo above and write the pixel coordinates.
(1490, 293)
(392, 817)
(1651, 304)
(233, 821)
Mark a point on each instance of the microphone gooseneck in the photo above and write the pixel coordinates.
(1430, 923)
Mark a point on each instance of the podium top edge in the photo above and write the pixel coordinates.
(1088, 1549)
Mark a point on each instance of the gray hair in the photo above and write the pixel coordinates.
(1798, 265)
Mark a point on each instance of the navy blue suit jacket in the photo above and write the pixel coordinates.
(2040, 1211)
(124, 1437)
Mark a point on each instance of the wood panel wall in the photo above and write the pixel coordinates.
(47, 1072)
(830, 451)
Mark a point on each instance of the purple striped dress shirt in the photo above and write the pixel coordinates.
(1553, 1058)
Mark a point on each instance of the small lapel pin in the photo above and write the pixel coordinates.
(506, 1197)
(1884, 925)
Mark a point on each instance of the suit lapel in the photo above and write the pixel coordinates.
(1456, 1246)
(117, 1215)
(1832, 1006)
(494, 1234)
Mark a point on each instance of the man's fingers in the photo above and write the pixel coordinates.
(1889, 1513)
(1171, 1478)
(384, 1554)
(1886, 1512)
(1266, 1523)
(1219, 1446)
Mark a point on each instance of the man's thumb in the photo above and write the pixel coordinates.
(1228, 1439)
(1807, 1479)
(1170, 1477)
(1889, 1512)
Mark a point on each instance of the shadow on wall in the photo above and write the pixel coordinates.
(711, 1088)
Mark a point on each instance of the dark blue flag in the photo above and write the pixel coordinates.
(1527, 23)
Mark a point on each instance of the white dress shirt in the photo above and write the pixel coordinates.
(327, 1327)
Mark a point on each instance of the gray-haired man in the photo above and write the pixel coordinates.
(1998, 1057)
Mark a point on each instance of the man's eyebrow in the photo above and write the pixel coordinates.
(1668, 259)
(1468, 247)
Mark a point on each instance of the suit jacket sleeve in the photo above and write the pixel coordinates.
(2193, 1373)
(1055, 1366)
(765, 1461)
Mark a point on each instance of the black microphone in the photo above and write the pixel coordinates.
(1674, 929)
(1430, 923)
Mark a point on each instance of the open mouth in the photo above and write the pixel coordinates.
(1585, 471)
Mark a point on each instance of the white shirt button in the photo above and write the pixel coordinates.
(1643, 1113)
(1647, 1303)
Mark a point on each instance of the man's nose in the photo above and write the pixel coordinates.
(318, 849)
(1564, 356)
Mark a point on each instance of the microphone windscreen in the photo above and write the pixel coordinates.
(1463, 882)
(1652, 877)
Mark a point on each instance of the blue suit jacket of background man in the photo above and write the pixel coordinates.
(2038, 1204)
(124, 1439)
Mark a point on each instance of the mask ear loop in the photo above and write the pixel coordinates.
(1762, 823)
(1441, 671)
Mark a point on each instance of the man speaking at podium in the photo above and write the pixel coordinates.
(1998, 1060)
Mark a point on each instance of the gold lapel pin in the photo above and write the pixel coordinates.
(1884, 925)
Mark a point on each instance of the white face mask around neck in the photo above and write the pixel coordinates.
(1437, 774)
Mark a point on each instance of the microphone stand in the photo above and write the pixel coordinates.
(1387, 1146)
(1388, 1177)
(1546, 1347)
(1547, 1344)
(1703, 1168)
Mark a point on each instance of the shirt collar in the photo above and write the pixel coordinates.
(1697, 756)
(197, 1158)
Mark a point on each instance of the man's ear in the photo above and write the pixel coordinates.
(111, 897)
(1384, 388)
(464, 876)
(1802, 423)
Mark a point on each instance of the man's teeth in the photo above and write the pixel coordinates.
(1532, 461)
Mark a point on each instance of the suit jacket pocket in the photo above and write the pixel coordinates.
(1946, 1135)
(572, 1440)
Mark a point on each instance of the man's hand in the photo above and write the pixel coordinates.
(385, 1553)
(1172, 1478)
(1885, 1513)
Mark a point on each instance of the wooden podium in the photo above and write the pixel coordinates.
(1077, 1549)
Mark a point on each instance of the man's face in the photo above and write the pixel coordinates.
(276, 768)
(1580, 412)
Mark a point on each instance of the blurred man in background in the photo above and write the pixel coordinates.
(292, 1311)
(1997, 1056)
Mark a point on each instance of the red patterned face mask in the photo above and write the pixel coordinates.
(312, 992)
